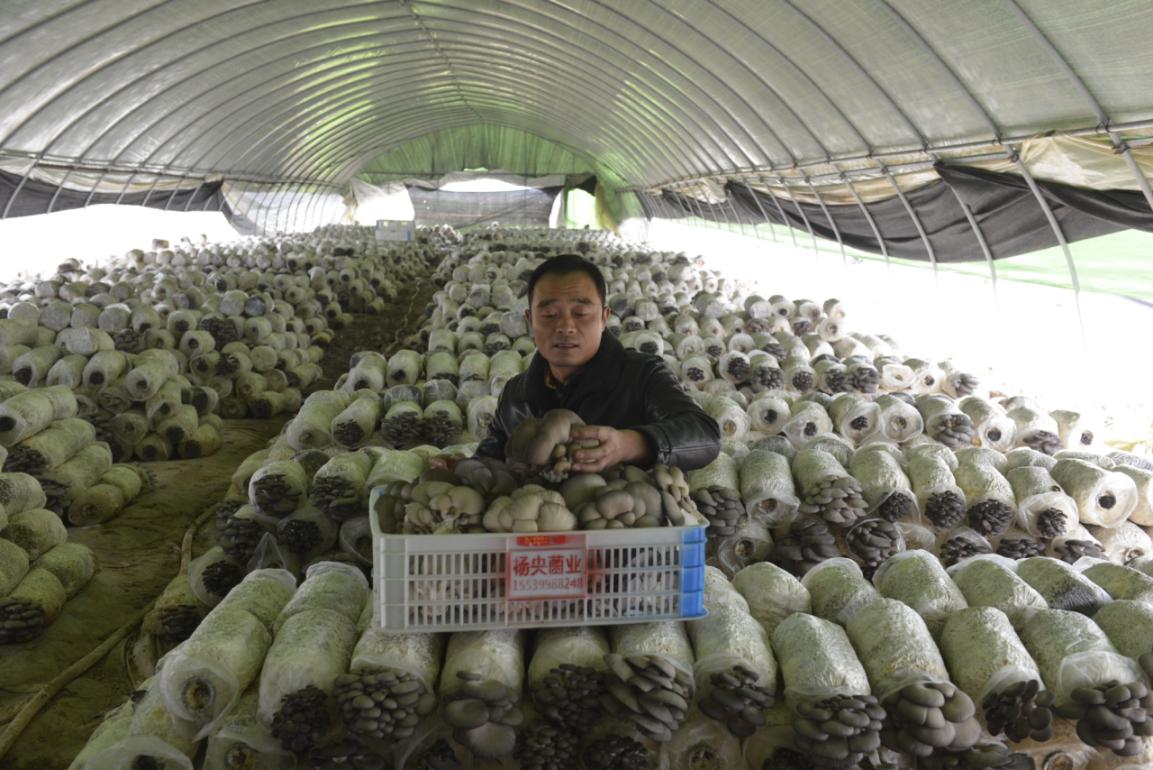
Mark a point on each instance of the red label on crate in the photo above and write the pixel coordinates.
(547, 567)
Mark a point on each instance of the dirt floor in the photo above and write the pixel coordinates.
(139, 553)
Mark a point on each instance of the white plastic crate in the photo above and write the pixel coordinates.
(497, 580)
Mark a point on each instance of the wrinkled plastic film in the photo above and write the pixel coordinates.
(201, 679)
(838, 589)
(667, 639)
(989, 580)
(492, 655)
(918, 579)
(984, 653)
(311, 649)
(817, 660)
(1071, 652)
(772, 593)
(895, 647)
(333, 586)
(420, 655)
(766, 487)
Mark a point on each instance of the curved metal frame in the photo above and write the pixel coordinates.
(1119, 144)
(246, 52)
(1056, 227)
(836, 45)
(797, 69)
(764, 214)
(610, 71)
(828, 216)
(277, 42)
(144, 76)
(868, 217)
(781, 211)
(912, 215)
(982, 243)
(904, 23)
(801, 213)
(501, 84)
(231, 117)
(630, 44)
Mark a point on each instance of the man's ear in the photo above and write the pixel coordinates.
(528, 316)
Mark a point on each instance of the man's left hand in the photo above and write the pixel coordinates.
(615, 448)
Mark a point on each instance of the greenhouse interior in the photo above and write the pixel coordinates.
(602, 385)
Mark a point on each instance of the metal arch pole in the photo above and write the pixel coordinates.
(832, 222)
(961, 85)
(286, 196)
(781, 212)
(171, 195)
(764, 214)
(912, 215)
(804, 218)
(1138, 174)
(661, 206)
(669, 212)
(812, 84)
(304, 208)
(284, 208)
(283, 211)
(678, 89)
(733, 207)
(1071, 75)
(736, 121)
(23, 180)
(1056, 227)
(152, 189)
(860, 69)
(281, 128)
(223, 200)
(984, 247)
(312, 87)
(308, 211)
(192, 195)
(291, 221)
(248, 208)
(691, 200)
(658, 207)
(56, 192)
(95, 187)
(868, 218)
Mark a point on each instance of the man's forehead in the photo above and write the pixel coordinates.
(567, 287)
(542, 301)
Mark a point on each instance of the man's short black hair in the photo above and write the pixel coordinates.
(565, 264)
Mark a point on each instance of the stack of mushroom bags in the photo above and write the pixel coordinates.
(905, 571)
(39, 569)
(159, 345)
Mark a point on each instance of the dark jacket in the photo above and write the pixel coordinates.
(619, 388)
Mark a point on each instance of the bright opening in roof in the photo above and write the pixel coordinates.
(483, 185)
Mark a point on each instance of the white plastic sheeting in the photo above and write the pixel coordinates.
(259, 209)
(641, 92)
(373, 202)
(1080, 161)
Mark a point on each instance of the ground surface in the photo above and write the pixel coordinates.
(139, 553)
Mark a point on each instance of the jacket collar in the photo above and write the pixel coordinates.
(600, 374)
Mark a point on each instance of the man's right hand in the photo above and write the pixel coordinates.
(615, 447)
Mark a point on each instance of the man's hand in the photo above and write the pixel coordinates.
(616, 447)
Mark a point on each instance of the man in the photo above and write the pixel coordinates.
(631, 402)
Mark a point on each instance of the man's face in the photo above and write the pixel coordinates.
(567, 319)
